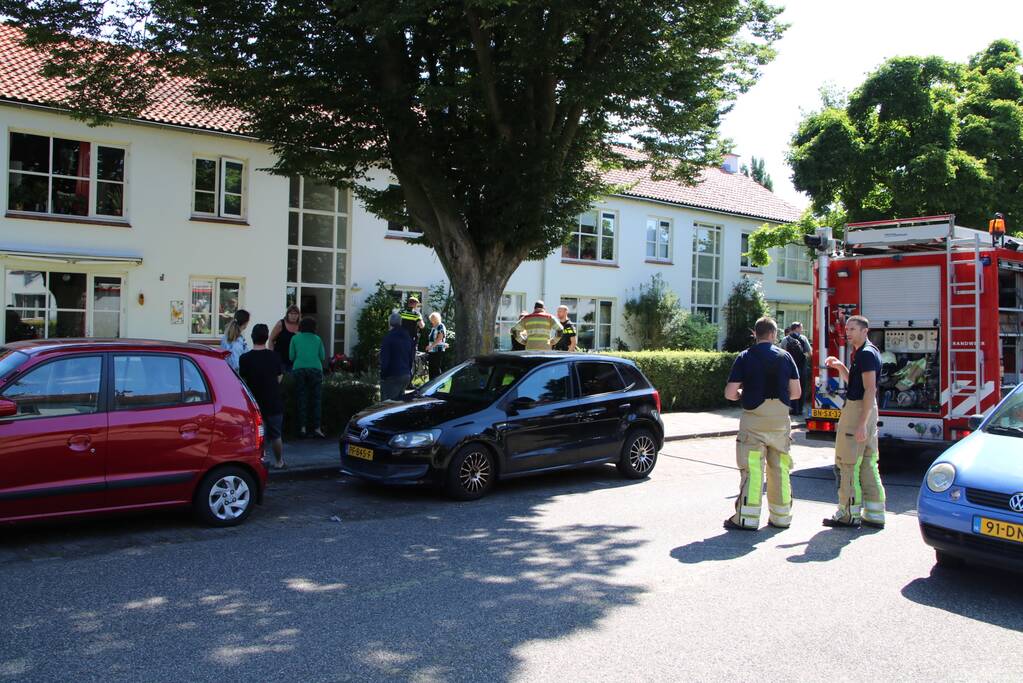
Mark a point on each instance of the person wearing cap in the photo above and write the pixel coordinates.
(567, 340)
(765, 380)
(412, 320)
(537, 328)
(397, 356)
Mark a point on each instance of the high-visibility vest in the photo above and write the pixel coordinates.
(538, 328)
(410, 322)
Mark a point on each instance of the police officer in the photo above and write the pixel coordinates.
(765, 379)
(860, 491)
(538, 327)
(567, 340)
(412, 319)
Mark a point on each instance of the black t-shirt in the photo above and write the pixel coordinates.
(865, 359)
(260, 370)
(794, 345)
(765, 371)
(567, 332)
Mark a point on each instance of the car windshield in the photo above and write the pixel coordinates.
(476, 381)
(1008, 419)
(10, 360)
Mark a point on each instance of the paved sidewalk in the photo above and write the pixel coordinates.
(310, 457)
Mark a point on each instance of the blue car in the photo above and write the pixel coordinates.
(971, 501)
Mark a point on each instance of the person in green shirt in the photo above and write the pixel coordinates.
(307, 357)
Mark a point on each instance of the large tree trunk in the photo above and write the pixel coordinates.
(476, 299)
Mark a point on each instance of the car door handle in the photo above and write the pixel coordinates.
(188, 429)
(625, 406)
(80, 443)
(595, 412)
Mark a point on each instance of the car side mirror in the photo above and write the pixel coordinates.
(8, 408)
(521, 403)
(974, 422)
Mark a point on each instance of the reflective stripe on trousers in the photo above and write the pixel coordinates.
(764, 438)
(860, 491)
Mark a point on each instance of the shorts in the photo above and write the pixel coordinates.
(273, 426)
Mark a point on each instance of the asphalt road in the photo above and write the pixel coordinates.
(573, 576)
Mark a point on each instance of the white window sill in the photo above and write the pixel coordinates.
(240, 222)
(587, 262)
(61, 218)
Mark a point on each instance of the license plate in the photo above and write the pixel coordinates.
(360, 452)
(999, 529)
(826, 413)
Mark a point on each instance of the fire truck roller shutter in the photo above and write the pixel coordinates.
(901, 296)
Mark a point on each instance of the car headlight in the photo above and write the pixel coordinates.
(414, 439)
(940, 477)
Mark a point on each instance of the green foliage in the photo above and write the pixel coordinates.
(650, 314)
(692, 331)
(759, 173)
(686, 380)
(769, 236)
(746, 304)
(496, 118)
(920, 136)
(371, 325)
(343, 395)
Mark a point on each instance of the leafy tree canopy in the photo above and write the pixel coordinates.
(495, 116)
(758, 172)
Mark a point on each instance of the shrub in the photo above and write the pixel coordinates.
(371, 325)
(650, 314)
(692, 331)
(686, 380)
(746, 304)
(343, 395)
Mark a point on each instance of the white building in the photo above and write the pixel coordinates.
(163, 226)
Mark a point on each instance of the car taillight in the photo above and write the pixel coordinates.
(820, 426)
(657, 400)
(257, 425)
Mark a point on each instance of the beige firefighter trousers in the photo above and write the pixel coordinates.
(765, 434)
(860, 492)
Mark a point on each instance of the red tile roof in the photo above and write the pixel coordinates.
(717, 190)
(21, 81)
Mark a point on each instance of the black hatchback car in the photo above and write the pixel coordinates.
(508, 415)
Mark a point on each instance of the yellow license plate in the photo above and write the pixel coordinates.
(999, 529)
(360, 452)
(826, 413)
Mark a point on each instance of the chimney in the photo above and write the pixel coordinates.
(730, 163)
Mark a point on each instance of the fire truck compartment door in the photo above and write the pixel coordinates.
(900, 296)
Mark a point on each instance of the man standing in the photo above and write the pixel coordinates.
(262, 371)
(397, 356)
(412, 320)
(860, 491)
(798, 347)
(516, 343)
(538, 328)
(764, 378)
(567, 340)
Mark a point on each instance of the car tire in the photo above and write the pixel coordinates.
(225, 497)
(639, 454)
(946, 561)
(471, 473)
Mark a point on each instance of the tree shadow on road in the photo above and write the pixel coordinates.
(826, 545)
(728, 545)
(977, 592)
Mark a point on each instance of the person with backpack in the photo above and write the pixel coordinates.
(798, 347)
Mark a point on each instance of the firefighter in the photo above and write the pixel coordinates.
(765, 379)
(567, 340)
(538, 327)
(860, 491)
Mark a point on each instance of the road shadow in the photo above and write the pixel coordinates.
(826, 545)
(974, 591)
(818, 484)
(728, 545)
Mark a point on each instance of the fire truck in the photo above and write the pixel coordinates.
(945, 305)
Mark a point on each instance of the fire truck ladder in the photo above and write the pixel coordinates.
(965, 284)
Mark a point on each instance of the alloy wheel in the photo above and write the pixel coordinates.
(229, 497)
(474, 472)
(642, 453)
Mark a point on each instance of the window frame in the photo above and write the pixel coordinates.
(573, 315)
(579, 378)
(92, 213)
(744, 261)
(89, 311)
(219, 192)
(657, 243)
(714, 282)
(500, 334)
(102, 404)
(577, 235)
(181, 358)
(787, 261)
(573, 392)
(214, 302)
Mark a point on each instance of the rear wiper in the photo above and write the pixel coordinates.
(1005, 430)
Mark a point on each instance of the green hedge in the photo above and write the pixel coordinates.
(686, 380)
(342, 396)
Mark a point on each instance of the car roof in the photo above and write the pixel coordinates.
(534, 358)
(40, 346)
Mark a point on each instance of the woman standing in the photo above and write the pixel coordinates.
(437, 346)
(234, 337)
(306, 355)
(283, 331)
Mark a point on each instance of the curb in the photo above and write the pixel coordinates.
(701, 435)
(293, 473)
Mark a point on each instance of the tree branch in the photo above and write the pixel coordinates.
(488, 75)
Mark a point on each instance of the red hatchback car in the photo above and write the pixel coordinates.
(92, 426)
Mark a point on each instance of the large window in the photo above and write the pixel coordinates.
(658, 239)
(593, 239)
(52, 304)
(593, 319)
(509, 311)
(794, 264)
(69, 386)
(706, 295)
(65, 177)
(219, 187)
(599, 378)
(318, 257)
(214, 302)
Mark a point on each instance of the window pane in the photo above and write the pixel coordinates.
(110, 199)
(317, 195)
(605, 313)
(317, 267)
(23, 324)
(339, 338)
(146, 381)
(546, 385)
(571, 250)
(339, 273)
(233, 177)
(67, 290)
(232, 205)
(607, 222)
(342, 232)
(64, 387)
(585, 338)
(205, 202)
(604, 338)
(193, 387)
(705, 267)
(292, 265)
(317, 230)
(665, 234)
(206, 175)
(339, 299)
(229, 301)
(110, 163)
(27, 192)
(704, 293)
(651, 230)
(293, 227)
(71, 157)
(106, 324)
(106, 304)
(599, 378)
(70, 197)
(607, 248)
(65, 324)
(664, 251)
(588, 247)
(30, 153)
(202, 307)
(293, 190)
(587, 311)
(588, 223)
